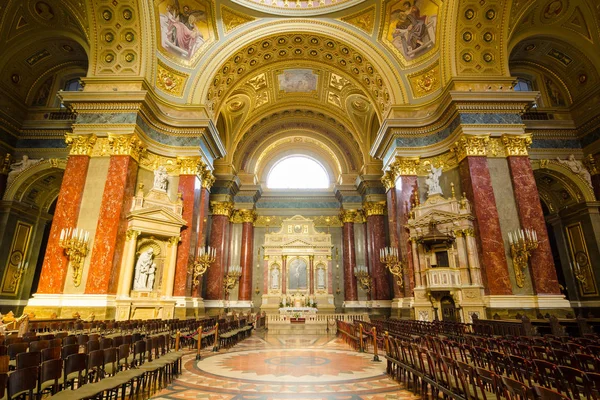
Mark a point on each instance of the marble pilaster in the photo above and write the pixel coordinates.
(393, 222)
(349, 255)
(221, 211)
(245, 289)
(377, 241)
(201, 218)
(189, 189)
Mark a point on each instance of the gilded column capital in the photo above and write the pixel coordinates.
(173, 241)
(348, 216)
(81, 145)
(389, 179)
(132, 234)
(471, 145)
(247, 216)
(406, 166)
(374, 208)
(5, 165)
(190, 165)
(516, 145)
(221, 208)
(126, 145)
(311, 257)
(207, 178)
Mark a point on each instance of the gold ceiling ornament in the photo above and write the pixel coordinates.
(363, 20)
(190, 165)
(374, 208)
(126, 145)
(424, 82)
(516, 145)
(348, 216)
(170, 80)
(471, 145)
(221, 208)
(404, 166)
(81, 145)
(232, 19)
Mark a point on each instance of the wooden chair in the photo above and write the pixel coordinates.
(489, 380)
(95, 364)
(51, 353)
(543, 393)
(515, 390)
(75, 369)
(50, 374)
(22, 381)
(69, 350)
(574, 382)
(544, 373)
(39, 345)
(31, 359)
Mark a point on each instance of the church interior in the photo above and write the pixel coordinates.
(327, 171)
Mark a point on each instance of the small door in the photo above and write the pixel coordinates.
(448, 309)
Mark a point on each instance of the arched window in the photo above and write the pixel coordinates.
(297, 172)
(523, 85)
(72, 85)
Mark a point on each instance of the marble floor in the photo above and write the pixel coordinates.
(265, 367)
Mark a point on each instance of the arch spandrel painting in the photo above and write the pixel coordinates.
(186, 28)
(410, 27)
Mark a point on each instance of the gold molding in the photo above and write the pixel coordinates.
(247, 216)
(232, 19)
(516, 145)
(126, 145)
(173, 241)
(426, 81)
(169, 80)
(471, 145)
(81, 145)
(590, 163)
(363, 20)
(221, 208)
(406, 165)
(374, 208)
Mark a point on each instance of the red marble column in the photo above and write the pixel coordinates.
(349, 256)
(110, 235)
(54, 269)
(405, 200)
(189, 187)
(592, 163)
(284, 274)
(377, 241)
(245, 290)
(394, 231)
(218, 241)
(202, 227)
(477, 184)
(531, 216)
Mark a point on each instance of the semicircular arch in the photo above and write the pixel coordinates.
(576, 186)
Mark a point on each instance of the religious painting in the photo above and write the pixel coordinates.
(553, 9)
(185, 27)
(297, 274)
(554, 93)
(410, 27)
(297, 81)
(43, 93)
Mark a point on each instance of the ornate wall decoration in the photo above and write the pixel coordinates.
(363, 20)
(297, 80)
(232, 19)
(409, 27)
(425, 82)
(185, 29)
(170, 80)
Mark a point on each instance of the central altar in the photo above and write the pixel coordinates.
(297, 268)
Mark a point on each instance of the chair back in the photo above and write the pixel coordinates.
(4, 362)
(95, 365)
(75, 363)
(31, 359)
(122, 355)
(543, 393)
(39, 345)
(106, 343)
(51, 370)
(515, 390)
(68, 340)
(68, 350)
(16, 348)
(92, 345)
(22, 381)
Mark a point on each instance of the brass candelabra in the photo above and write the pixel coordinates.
(231, 277)
(364, 279)
(205, 257)
(75, 242)
(389, 257)
(521, 242)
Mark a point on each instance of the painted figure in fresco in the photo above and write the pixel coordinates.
(433, 181)
(144, 268)
(411, 33)
(179, 25)
(554, 93)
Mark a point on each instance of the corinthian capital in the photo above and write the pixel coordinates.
(471, 145)
(516, 145)
(347, 216)
(374, 208)
(126, 145)
(190, 165)
(221, 208)
(81, 145)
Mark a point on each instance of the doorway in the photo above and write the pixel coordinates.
(448, 309)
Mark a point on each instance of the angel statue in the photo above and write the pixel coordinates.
(433, 181)
(179, 29)
(161, 178)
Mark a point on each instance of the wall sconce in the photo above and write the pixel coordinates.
(16, 278)
(257, 290)
(389, 257)
(521, 243)
(75, 242)
(579, 273)
(205, 257)
(364, 279)
(232, 276)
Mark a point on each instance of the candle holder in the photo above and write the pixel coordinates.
(579, 273)
(232, 276)
(75, 242)
(521, 242)
(389, 257)
(364, 279)
(16, 278)
(205, 257)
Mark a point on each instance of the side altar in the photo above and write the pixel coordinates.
(297, 268)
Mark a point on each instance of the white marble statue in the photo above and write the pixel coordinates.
(275, 278)
(577, 168)
(20, 166)
(161, 178)
(433, 181)
(145, 268)
(321, 278)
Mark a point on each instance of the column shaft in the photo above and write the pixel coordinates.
(112, 225)
(379, 274)
(218, 241)
(311, 266)
(54, 269)
(531, 216)
(245, 290)
(349, 260)
(202, 228)
(404, 198)
(284, 275)
(189, 187)
(394, 230)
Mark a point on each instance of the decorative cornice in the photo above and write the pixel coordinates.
(190, 165)
(221, 208)
(348, 216)
(126, 145)
(374, 208)
(471, 145)
(81, 145)
(516, 145)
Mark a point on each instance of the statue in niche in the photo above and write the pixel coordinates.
(320, 278)
(433, 181)
(161, 178)
(145, 268)
(577, 168)
(20, 166)
(275, 278)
